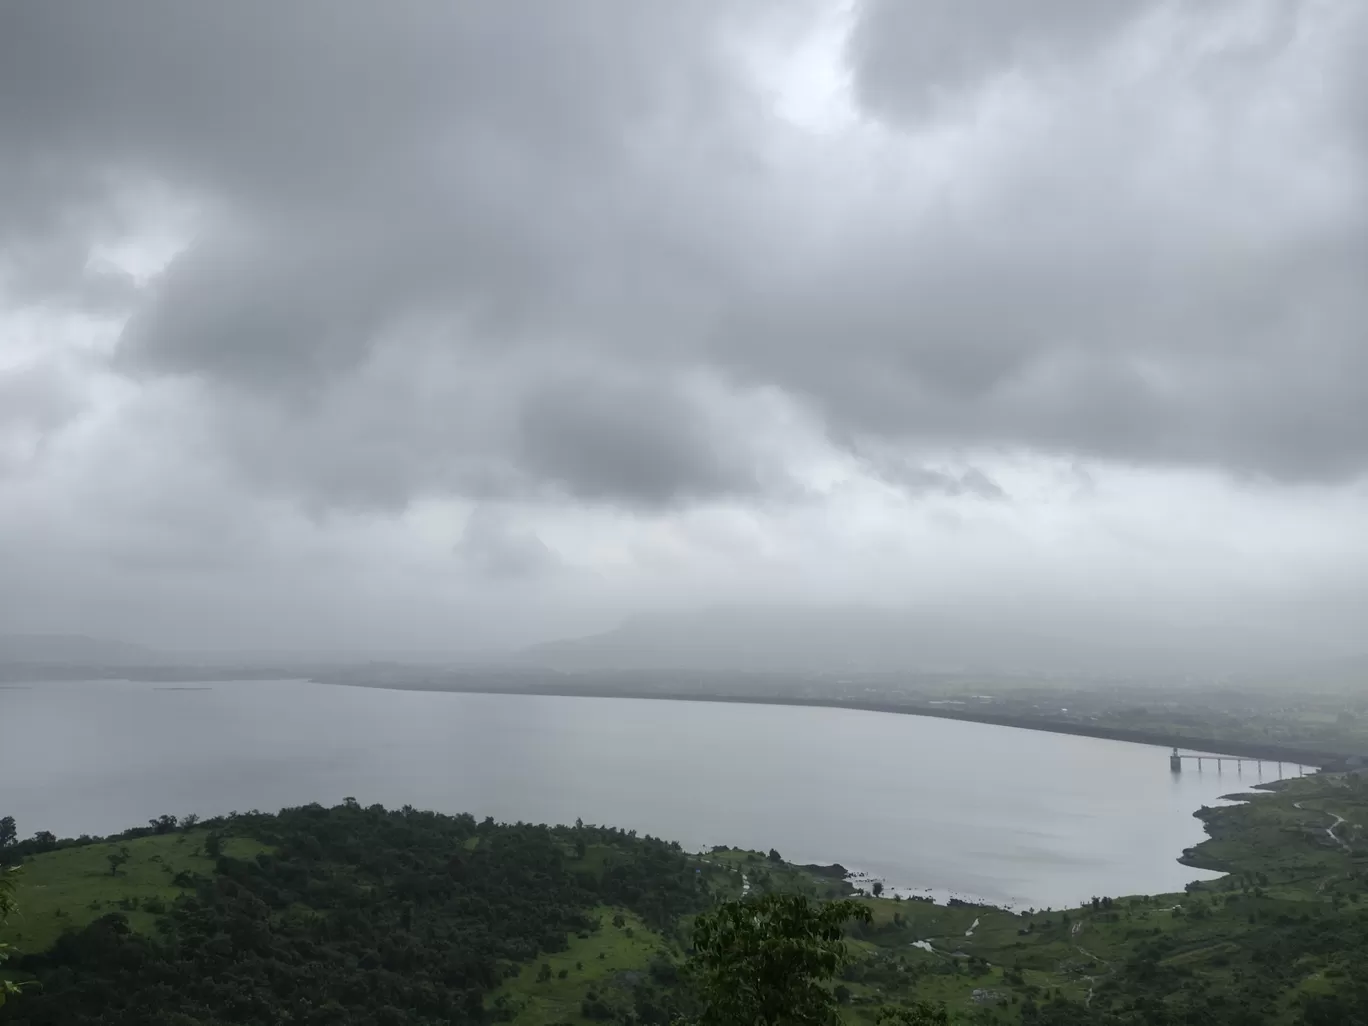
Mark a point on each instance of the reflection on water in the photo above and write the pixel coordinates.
(930, 806)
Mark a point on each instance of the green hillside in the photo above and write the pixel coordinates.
(373, 916)
(71, 888)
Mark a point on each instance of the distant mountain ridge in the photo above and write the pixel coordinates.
(820, 639)
(1015, 638)
(73, 649)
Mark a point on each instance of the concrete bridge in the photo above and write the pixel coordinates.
(1176, 763)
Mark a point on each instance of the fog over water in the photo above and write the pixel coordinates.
(983, 811)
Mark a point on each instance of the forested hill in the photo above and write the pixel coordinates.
(342, 916)
(356, 916)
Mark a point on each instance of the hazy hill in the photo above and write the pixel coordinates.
(72, 649)
(816, 639)
(1053, 638)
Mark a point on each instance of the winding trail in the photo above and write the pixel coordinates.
(745, 880)
(1330, 830)
(1092, 980)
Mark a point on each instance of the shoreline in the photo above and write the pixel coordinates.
(1205, 745)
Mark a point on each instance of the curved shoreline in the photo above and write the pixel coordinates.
(1240, 749)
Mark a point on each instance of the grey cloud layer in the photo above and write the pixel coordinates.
(490, 248)
(910, 56)
(496, 549)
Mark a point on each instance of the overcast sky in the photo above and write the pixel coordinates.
(437, 325)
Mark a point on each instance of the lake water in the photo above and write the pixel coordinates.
(931, 806)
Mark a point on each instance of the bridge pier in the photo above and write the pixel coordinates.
(1176, 763)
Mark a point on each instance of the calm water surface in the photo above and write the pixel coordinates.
(998, 813)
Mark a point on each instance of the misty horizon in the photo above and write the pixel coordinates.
(991, 638)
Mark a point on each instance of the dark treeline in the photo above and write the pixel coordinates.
(356, 916)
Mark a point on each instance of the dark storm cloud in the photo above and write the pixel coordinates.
(1120, 289)
(45, 245)
(411, 211)
(1098, 337)
(485, 169)
(416, 422)
(601, 441)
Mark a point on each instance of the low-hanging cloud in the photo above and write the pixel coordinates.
(1148, 249)
(496, 548)
(766, 300)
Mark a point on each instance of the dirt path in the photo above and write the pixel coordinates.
(1093, 980)
(1330, 830)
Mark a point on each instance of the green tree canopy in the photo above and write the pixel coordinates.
(766, 961)
(920, 1013)
(6, 907)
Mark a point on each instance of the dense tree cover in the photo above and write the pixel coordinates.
(368, 916)
(7, 988)
(356, 916)
(767, 961)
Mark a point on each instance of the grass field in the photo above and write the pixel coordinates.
(604, 964)
(67, 889)
(734, 871)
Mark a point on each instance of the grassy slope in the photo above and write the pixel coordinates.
(626, 959)
(733, 870)
(607, 962)
(947, 974)
(67, 889)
